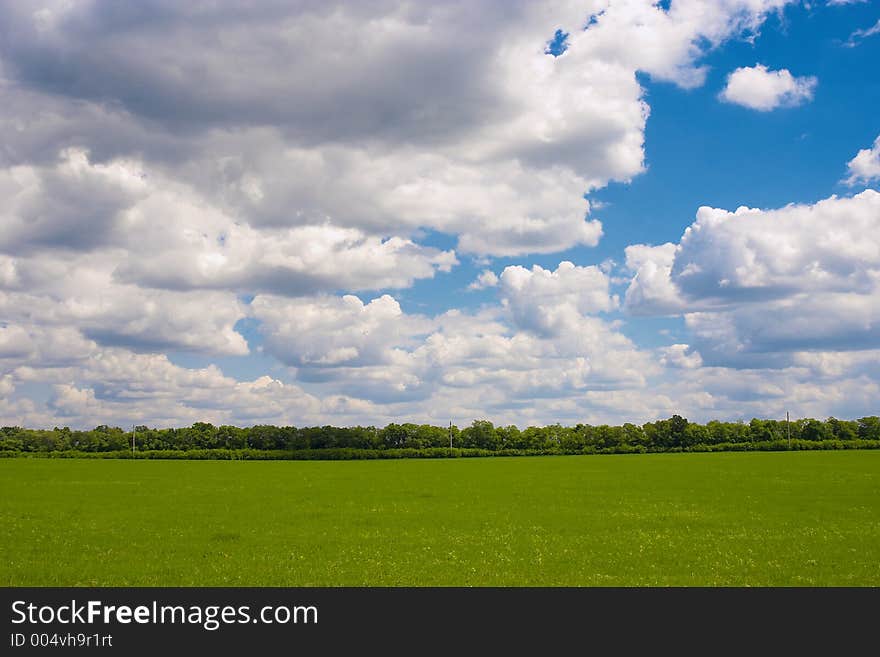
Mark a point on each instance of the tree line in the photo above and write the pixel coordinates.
(481, 436)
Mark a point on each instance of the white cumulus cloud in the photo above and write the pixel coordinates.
(762, 89)
(756, 286)
(865, 166)
(548, 301)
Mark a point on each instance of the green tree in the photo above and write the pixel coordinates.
(869, 428)
(480, 434)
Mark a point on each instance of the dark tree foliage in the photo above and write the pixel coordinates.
(481, 437)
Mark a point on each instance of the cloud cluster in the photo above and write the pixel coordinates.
(761, 89)
(652, 290)
(80, 294)
(376, 351)
(549, 302)
(756, 286)
(122, 389)
(865, 166)
(833, 245)
(171, 169)
(383, 118)
(163, 234)
(333, 331)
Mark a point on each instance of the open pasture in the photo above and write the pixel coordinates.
(790, 518)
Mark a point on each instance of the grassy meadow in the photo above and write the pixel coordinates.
(778, 518)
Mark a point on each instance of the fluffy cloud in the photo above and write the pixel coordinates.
(168, 236)
(23, 345)
(766, 334)
(761, 392)
(496, 207)
(129, 257)
(680, 356)
(447, 117)
(486, 279)
(469, 365)
(865, 166)
(14, 342)
(353, 361)
(95, 385)
(755, 286)
(652, 290)
(547, 302)
(320, 144)
(750, 254)
(44, 205)
(334, 331)
(376, 351)
(761, 89)
(833, 245)
(123, 389)
(293, 261)
(80, 294)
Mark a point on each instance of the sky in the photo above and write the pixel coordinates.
(302, 213)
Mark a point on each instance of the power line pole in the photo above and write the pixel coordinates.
(133, 434)
(450, 434)
(788, 428)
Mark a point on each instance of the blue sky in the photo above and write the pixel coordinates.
(700, 151)
(764, 160)
(359, 216)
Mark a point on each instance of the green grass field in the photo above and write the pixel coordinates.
(790, 518)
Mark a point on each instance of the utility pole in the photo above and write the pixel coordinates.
(450, 434)
(788, 428)
(133, 433)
